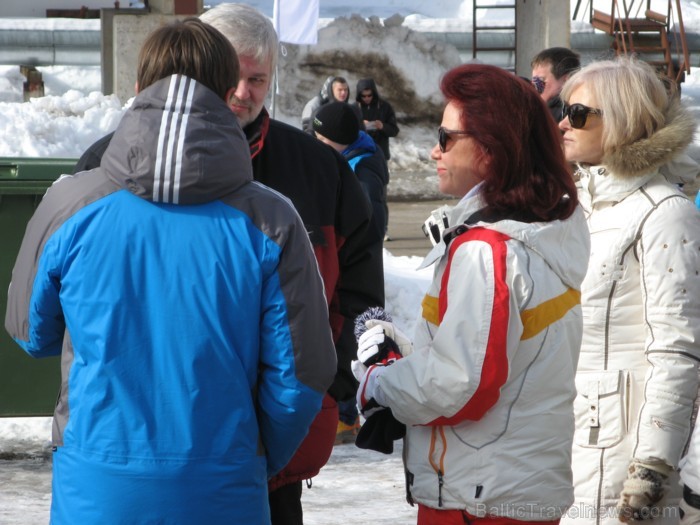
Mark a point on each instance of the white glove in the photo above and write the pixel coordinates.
(643, 489)
(369, 343)
(381, 343)
(370, 399)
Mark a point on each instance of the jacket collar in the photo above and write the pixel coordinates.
(363, 144)
(599, 186)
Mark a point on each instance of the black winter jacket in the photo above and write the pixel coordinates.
(377, 109)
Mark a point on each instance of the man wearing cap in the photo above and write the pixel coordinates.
(336, 125)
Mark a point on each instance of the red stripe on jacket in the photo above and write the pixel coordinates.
(494, 372)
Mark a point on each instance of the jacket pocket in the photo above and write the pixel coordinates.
(601, 408)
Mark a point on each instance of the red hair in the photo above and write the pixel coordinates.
(527, 171)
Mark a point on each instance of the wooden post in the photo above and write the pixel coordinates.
(176, 7)
(187, 7)
(34, 86)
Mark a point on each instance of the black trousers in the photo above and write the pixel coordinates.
(285, 505)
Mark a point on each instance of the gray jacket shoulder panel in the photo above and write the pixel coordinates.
(68, 195)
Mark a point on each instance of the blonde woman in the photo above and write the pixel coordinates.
(637, 373)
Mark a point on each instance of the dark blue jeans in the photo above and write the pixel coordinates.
(347, 411)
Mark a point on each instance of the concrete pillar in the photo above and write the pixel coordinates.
(541, 24)
(123, 33)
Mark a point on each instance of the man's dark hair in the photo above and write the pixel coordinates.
(563, 60)
(339, 80)
(192, 48)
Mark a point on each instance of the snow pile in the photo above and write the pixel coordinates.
(405, 64)
(57, 126)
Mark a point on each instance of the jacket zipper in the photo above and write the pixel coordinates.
(438, 467)
(658, 423)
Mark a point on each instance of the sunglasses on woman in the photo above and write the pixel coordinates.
(578, 114)
(445, 134)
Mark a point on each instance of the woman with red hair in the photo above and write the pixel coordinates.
(486, 395)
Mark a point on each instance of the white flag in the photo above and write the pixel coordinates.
(296, 21)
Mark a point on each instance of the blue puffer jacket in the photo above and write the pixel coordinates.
(189, 311)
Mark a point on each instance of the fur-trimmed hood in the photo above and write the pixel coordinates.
(649, 154)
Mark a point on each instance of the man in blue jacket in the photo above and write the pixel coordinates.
(331, 204)
(186, 304)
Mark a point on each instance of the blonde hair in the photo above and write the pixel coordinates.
(632, 97)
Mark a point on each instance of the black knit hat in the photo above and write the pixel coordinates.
(337, 122)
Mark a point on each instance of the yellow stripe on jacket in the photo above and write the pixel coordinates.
(534, 319)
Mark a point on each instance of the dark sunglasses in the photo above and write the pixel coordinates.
(368, 95)
(578, 114)
(539, 84)
(445, 134)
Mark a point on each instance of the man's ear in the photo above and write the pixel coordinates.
(229, 95)
(136, 87)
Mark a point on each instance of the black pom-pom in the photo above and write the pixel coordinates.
(373, 312)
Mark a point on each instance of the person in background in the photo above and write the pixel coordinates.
(335, 211)
(637, 375)
(334, 89)
(169, 283)
(487, 394)
(551, 67)
(340, 89)
(335, 124)
(379, 121)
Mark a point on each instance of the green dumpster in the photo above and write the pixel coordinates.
(28, 386)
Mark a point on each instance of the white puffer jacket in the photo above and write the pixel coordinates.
(487, 394)
(637, 373)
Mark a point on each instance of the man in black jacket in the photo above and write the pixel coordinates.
(377, 115)
(379, 120)
(335, 124)
(332, 206)
(380, 123)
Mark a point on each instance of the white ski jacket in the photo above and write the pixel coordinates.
(487, 394)
(637, 374)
